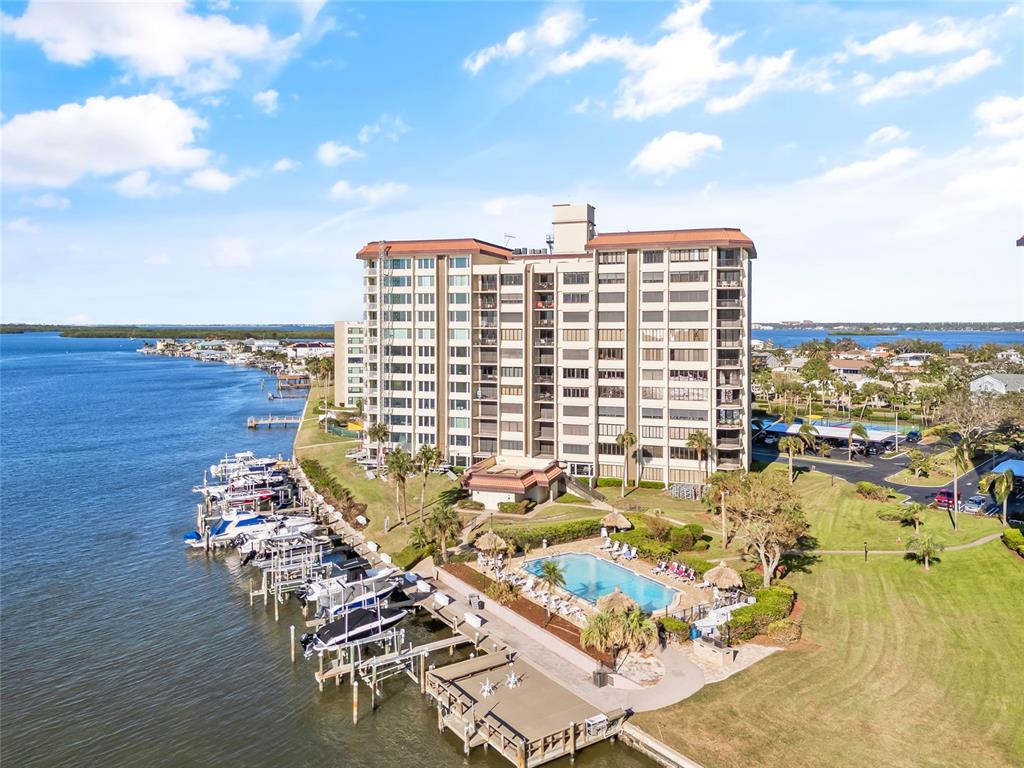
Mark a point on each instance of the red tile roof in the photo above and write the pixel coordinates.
(434, 247)
(721, 236)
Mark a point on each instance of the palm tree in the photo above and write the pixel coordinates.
(911, 514)
(925, 547)
(552, 577)
(603, 632)
(427, 459)
(700, 443)
(960, 464)
(400, 466)
(379, 434)
(419, 537)
(639, 631)
(857, 430)
(798, 443)
(444, 521)
(625, 440)
(1001, 486)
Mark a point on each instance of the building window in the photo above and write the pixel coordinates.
(458, 369)
(611, 278)
(652, 334)
(612, 373)
(576, 278)
(512, 279)
(512, 372)
(611, 257)
(576, 298)
(425, 316)
(512, 390)
(610, 449)
(511, 334)
(688, 316)
(651, 413)
(689, 254)
(611, 334)
(575, 449)
(649, 354)
(398, 281)
(425, 281)
(425, 264)
(579, 392)
(574, 334)
(576, 429)
(611, 317)
(611, 353)
(687, 414)
(688, 277)
(397, 263)
(511, 445)
(688, 334)
(652, 296)
(425, 421)
(652, 393)
(654, 257)
(458, 262)
(652, 316)
(651, 431)
(687, 355)
(611, 411)
(615, 392)
(425, 351)
(653, 277)
(681, 452)
(458, 422)
(458, 298)
(425, 369)
(575, 373)
(425, 334)
(458, 281)
(576, 410)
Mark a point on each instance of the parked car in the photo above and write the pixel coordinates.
(914, 436)
(873, 449)
(441, 469)
(944, 499)
(977, 504)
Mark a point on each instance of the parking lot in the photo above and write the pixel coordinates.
(875, 469)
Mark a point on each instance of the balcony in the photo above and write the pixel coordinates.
(729, 422)
(544, 378)
(486, 341)
(544, 396)
(487, 358)
(487, 284)
(486, 447)
(729, 262)
(545, 433)
(486, 393)
(544, 285)
(487, 411)
(544, 322)
(544, 304)
(487, 429)
(487, 304)
(728, 361)
(729, 303)
(728, 444)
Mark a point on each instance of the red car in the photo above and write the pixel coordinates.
(944, 499)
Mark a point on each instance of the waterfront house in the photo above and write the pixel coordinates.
(998, 383)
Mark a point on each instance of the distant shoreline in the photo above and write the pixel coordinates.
(176, 331)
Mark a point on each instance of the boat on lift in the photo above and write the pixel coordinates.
(353, 625)
(321, 591)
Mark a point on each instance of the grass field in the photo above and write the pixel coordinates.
(898, 667)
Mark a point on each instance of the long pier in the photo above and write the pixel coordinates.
(270, 421)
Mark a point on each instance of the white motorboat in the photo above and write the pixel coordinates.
(354, 625)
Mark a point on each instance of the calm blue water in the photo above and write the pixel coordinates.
(590, 577)
(119, 648)
(950, 339)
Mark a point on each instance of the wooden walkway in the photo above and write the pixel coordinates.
(270, 421)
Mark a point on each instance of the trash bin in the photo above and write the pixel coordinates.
(694, 633)
(600, 678)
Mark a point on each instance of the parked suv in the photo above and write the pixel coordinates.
(977, 504)
(914, 436)
(944, 499)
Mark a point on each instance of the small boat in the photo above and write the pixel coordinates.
(354, 625)
(321, 590)
(227, 530)
(354, 597)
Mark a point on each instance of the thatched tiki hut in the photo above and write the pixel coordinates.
(616, 602)
(490, 542)
(616, 520)
(723, 576)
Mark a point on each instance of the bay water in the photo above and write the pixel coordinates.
(119, 647)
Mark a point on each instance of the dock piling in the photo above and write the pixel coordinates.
(291, 637)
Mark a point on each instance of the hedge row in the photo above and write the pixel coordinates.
(407, 557)
(872, 491)
(1014, 539)
(773, 604)
(608, 482)
(656, 539)
(520, 507)
(528, 536)
(675, 629)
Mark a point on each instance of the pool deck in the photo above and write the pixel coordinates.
(688, 595)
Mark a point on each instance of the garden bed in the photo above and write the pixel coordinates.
(559, 627)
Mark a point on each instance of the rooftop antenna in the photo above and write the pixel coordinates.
(550, 240)
(508, 237)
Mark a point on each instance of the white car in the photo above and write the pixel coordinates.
(976, 504)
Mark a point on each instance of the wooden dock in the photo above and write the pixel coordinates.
(271, 421)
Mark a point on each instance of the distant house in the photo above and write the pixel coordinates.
(852, 371)
(304, 350)
(263, 345)
(910, 359)
(1011, 356)
(764, 359)
(998, 383)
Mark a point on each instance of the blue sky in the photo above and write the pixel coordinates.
(222, 162)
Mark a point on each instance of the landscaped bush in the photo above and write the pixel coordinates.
(701, 546)
(523, 536)
(889, 515)
(650, 484)
(503, 592)
(608, 482)
(470, 504)
(659, 529)
(752, 580)
(685, 537)
(773, 604)
(872, 491)
(699, 564)
(646, 547)
(676, 629)
(783, 631)
(1014, 539)
(516, 507)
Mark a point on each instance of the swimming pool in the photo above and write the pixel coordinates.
(590, 577)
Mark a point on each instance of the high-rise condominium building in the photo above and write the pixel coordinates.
(552, 353)
(349, 354)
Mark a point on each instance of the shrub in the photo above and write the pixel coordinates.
(699, 564)
(676, 629)
(773, 604)
(650, 484)
(646, 547)
(889, 514)
(701, 546)
(752, 580)
(520, 507)
(1014, 539)
(523, 536)
(503, 592)
(658, 528)
(872, 491)
(470, 504)
(608, 482)
(783, 631)
(685, 537)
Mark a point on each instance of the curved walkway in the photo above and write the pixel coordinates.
(954, 548)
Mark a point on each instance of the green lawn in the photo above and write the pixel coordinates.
(898, 667)
(840, 519)
(941, 473)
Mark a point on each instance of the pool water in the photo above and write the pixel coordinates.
(591, 577)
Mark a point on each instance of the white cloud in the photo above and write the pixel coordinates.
(370, 194)
(220, 5)
(674, 151)
(211, 101)
(231, 253)
(104, 136)
(1001, 116)
(139, 184)
(309, 10)
(266, 101)
(157, 259)
(212, 180)
(928, 79)
(331, 153)
(47, 200)
(284, 164)
(944, 36)
(555, 29)
(23, 226)
(889, 134)
(866, 169)
(680, 67)
(150, 40)
(390, 127)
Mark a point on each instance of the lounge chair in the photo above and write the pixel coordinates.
(614, 550)
(607, 543)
